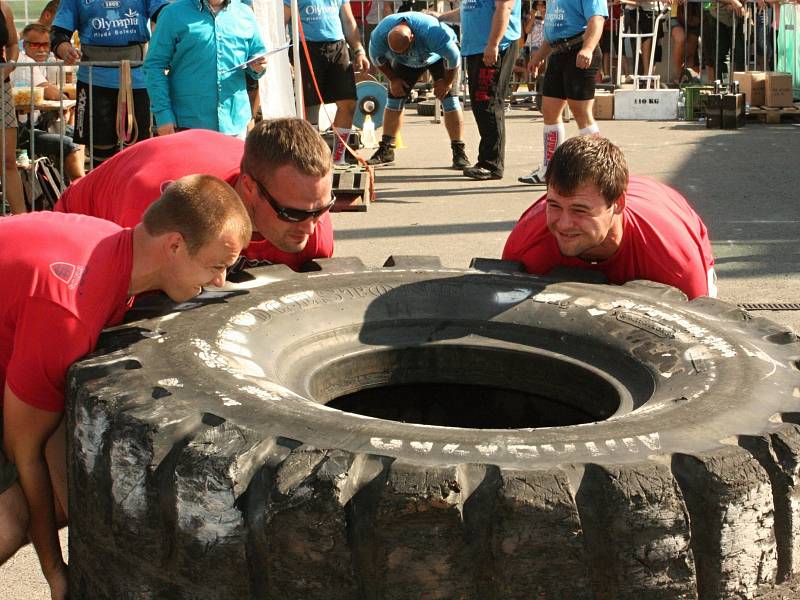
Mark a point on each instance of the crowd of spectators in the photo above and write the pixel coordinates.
(201, 66)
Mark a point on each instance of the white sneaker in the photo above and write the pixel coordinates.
(535, 178)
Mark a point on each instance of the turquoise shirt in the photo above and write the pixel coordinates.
(198, 49)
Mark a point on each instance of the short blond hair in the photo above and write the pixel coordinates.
(200, 208)
(275, 143)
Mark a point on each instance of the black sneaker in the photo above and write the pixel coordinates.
(481, 173)
(460, 160)
(536, 177)
(383, 156)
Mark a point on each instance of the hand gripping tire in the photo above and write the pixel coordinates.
(634, 445)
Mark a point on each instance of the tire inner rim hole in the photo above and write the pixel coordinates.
(468, 388)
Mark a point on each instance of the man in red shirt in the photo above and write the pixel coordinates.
(595, 216)
(65, 278)
(282, 173)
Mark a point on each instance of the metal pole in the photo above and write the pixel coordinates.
(298, 77)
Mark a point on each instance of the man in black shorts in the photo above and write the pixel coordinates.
(572, 31)
(403, 46)
(109, 31)
(326, 26)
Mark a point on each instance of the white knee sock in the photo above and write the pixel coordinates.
(553, 136)
(592, 129)
(338, 146)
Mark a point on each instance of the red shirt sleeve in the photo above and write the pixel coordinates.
(47, 340)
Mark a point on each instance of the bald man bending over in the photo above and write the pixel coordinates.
(403, 46)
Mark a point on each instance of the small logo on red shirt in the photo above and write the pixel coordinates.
(69, 274)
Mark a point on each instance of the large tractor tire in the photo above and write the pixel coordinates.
(415, 431)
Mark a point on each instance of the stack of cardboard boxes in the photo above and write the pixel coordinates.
(771, 89)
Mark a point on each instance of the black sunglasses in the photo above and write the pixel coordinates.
(292, 215)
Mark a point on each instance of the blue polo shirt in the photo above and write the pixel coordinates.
(321, 19)
(108, 23)
(476, 25)
(432, 40)
(568, 18)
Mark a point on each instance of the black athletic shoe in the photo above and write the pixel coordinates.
(384, 155)
(481, 173)
(536, 177)
(460, 160)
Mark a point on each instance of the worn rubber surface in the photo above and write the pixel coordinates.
(204, 464)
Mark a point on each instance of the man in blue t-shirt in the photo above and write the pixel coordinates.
(109, 31)
(326, 25)
(489, 33)
(572, 31)
(403, 47)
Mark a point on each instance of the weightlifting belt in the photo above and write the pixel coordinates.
(92, 52)
(559, 46)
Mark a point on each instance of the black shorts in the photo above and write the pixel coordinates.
(566, 81)
(411, 75)
(646, 20)
(104, 111)
(333, 69)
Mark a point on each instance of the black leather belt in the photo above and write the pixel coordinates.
(565, 44)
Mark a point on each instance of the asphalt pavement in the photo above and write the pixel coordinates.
(743, 183)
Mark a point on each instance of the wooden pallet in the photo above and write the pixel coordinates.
(351, 188)
(772, 115)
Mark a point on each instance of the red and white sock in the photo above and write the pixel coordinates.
(553, 137)
(338, 147)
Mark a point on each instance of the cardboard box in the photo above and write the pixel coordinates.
(646, 105)
(753, 85)
(778, 89)
(603, 107)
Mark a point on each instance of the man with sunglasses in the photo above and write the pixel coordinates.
(36, 43)
(282, 173)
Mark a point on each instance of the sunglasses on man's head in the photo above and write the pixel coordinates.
(38, 44)
(292, 215)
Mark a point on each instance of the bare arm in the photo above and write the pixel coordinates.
(591, 37)
(26, 431)
(12, 46)
(502, 14)
(353, 37)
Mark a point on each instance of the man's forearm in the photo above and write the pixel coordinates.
(502, 14)
(34, 479)
(387, 70)
(451, 16)
(593, 33)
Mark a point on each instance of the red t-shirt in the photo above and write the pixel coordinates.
(663, 240)
(122, 188)
(65, 277)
